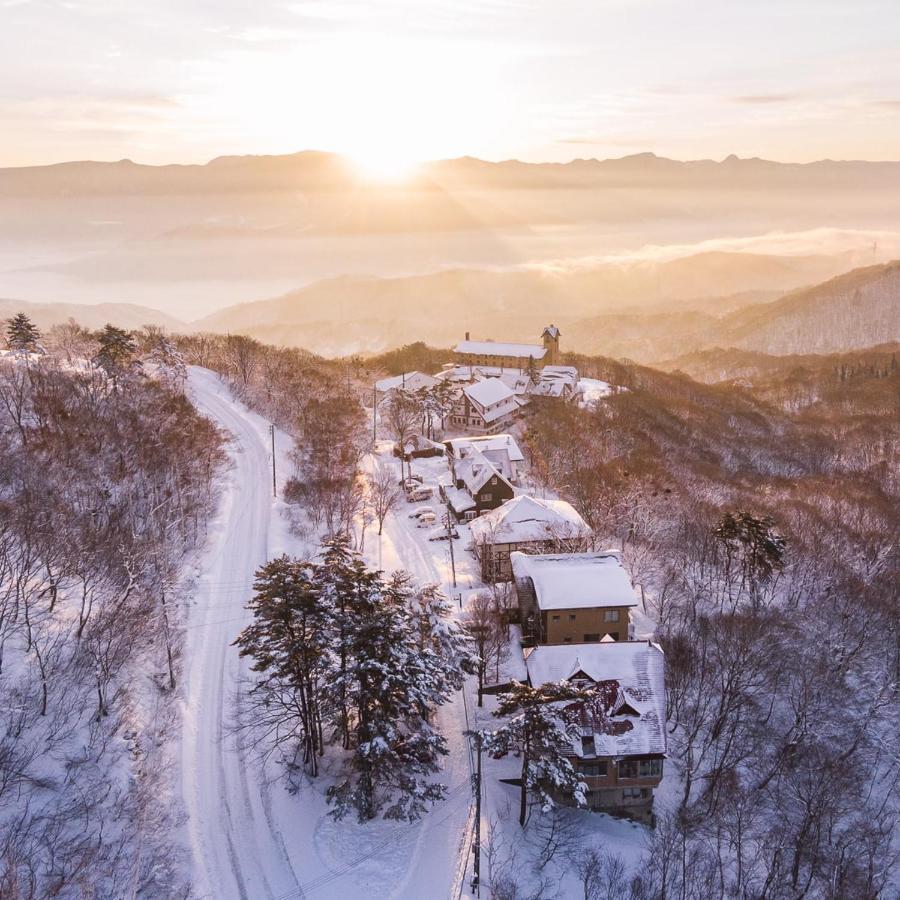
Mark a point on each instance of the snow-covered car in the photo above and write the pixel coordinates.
(442, 534)
(422, 492)
(421, 511)
(426, 521)
(412, 482)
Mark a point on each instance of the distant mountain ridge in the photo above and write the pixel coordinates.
(317, 170)
(637, 310)
(858, 309)
(125, 315)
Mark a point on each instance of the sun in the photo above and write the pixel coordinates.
(386, 165)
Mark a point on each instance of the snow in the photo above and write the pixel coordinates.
(524, 519)
(248, 836)
(638, 667)
(592, 390)
(493, 348)
(489, 392)
(500, 450)
(576, 580)
(409, 381)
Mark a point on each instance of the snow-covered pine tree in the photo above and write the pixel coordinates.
(439, 632)
(115, 355)
(392, 685)
(543, 725)
(168, 359)
(22, 334)
(290, 642)
(347, 587)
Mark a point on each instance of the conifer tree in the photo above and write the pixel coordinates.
(116, 353)
(290, 644)
(392, 686)
(542, 728)
(22, 334)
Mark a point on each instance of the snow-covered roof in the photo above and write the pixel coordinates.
(490, 442)
(592, 389)
(552, 330)
(524, 519)
(418, 442)
(474, 469)
(489, 392)
(639, 669)
(459, 498)
(409, 381)
(575, 580)
(495, 348)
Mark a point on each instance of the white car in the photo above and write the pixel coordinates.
(421, 511)
(426, 521)
(423, 492)
(441, 534)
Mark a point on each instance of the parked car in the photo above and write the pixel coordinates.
(420, 493)
(421, 511)
(442, 534)
(426, 520)
(412, 482)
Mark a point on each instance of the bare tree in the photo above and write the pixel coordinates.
(384, 492)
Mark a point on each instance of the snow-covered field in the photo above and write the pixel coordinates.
(248, 836)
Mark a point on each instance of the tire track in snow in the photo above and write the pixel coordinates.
(237, 852)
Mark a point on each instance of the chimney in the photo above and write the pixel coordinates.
(467, 335)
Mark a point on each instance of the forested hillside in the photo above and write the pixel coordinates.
(105, 486)
(761, 527)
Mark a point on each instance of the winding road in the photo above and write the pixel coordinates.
(248, 837)
(237, 850)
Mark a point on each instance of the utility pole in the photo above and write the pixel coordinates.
(450, 542)
(476, 864)
(374, 412)
(274, 485)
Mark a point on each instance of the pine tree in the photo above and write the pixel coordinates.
(290, 643)
(116, 353)
(543, 727)
(393, 687)
(22, 334)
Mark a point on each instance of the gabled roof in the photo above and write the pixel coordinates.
(490, 442)
(575, 580)
(409, 381)
(494, 348)
(552, 331)
(524, 519)
(638, 667)
(488, 392)
(475, 470)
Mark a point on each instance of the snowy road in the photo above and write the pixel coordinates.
(248, 837)
(237, 850)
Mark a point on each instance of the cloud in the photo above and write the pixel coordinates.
(764, 99)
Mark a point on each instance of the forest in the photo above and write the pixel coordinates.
(759, 519)
(106, 484)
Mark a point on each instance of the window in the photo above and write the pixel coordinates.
(555, 618)
(593, 769)
(587, 745)
(635, 793)
(628, 768)
(567, 640)
(591, 638)
(571, 617)
(650, 768)
(611, 615)
(487, 498)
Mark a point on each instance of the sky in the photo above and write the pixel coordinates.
(393, 81)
